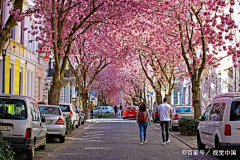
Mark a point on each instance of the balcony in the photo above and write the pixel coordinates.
(67, 73)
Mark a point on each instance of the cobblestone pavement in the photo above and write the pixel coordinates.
(116, 139)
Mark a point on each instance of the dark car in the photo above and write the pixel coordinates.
(155, 116)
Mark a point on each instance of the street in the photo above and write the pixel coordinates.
(115, 139)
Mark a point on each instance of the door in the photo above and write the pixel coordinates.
(104, 110)
(215, 120)
(203, 125)
(235, 122)
(38, 129)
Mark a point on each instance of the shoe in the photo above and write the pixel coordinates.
(141, 143)
(145, 141)
(168, 141)
(164, 143)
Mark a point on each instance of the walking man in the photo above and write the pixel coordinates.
(91, 108)
(121, 108)
(165, 112)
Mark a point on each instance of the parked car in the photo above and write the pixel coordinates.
(155, 116)
(180, 112)
(81, 115)
(69, 109)
(100, 110)
(22, 124)
(219, 126)
(55, 121)
(130, 112)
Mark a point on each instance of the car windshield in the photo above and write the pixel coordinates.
(65, 108)
(131, 108)
(49, 110)
(183, 109)
(235, 111)
(12, 109)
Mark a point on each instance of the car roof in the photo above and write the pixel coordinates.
(182, 106)
(49, 105)
(65, 103)
(228, 95)
(15, 96)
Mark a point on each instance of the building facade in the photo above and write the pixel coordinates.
(24, 68)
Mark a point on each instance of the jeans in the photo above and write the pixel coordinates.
(91, 113)
(143, 129)
(165, 130)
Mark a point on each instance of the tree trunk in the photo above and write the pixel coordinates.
(55, 90)
(168, 98)
(84, 102)
(196, 98)
(159, 97)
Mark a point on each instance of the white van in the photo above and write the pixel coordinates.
(21, 123)
(69, 109)
(219, 126)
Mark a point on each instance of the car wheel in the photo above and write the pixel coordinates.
(31, 154)
(82, 122)
(217, 144)
(201, 146)
(62, 139)
(170, 126)
(124, 117)
(154, 120)
(73, 125)
(43, 147)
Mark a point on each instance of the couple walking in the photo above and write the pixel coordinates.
(143, 118)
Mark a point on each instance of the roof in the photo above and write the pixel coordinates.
(55, 106)
(14, 96)
(64, 103)
(230, 95)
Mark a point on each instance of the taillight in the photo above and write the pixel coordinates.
(28, 133)
(175, 117)
(227, 130)
(111, 110)
(70, 114)
(60, 121)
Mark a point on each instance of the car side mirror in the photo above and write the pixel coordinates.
(43, 119)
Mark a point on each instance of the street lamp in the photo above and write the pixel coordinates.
(4, 58)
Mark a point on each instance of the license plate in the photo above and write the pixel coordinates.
(130, 115)
(187, 117)
(48, 122)
(5, 128)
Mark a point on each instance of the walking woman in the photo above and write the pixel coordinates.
(143, 118)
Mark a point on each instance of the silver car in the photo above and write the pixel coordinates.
(101, 110)
(180, 112)
(55, 121)
(69, 109)
(22, 124)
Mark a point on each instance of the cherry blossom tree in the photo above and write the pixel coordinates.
(67, 20)
(16, 14)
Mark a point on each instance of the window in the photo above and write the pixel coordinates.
(235, 111)
(183, 110)
(217, 111)
(39, 89)
(65, 108)
(10, 80)
(12, 109)
(206, 114)
(35, 112)
(22, 32)
(49, 110)
(20, 81)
